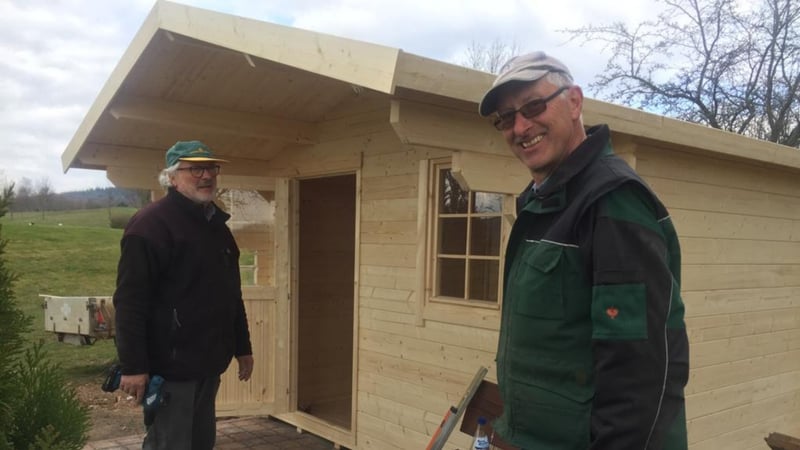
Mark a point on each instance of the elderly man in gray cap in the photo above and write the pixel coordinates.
(593, 351)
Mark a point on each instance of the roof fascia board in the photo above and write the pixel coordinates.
(355, 62)
(622, 119)
(439, 78)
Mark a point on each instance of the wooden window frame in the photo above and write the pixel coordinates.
(479, 313)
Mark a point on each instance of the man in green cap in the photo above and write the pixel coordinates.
(178, 301)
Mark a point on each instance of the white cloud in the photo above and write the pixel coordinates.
(55, 55)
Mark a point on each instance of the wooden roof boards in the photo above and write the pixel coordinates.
(253, 90)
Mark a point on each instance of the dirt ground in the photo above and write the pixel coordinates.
(113, 414)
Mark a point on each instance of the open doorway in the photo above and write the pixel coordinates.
(325, 284)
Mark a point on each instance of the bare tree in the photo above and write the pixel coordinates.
(489, 57)
(44, 192)
(714, 62)
(24, 195)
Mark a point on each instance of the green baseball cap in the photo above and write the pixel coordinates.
(190, 151)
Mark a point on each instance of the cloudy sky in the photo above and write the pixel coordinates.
(55, 55)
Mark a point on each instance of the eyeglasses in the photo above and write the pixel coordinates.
(197, 171)
(533, 108)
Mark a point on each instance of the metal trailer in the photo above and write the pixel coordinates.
(79, 320)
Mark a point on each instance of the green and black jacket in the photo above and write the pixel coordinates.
(593, 352)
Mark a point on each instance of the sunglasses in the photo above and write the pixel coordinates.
(533, 108)
(197, 171)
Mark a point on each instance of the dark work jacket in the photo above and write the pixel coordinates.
(178, 302)
(593, 352)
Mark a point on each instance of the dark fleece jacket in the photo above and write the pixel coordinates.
(179, 308)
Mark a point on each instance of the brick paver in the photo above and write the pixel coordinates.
(242, 433)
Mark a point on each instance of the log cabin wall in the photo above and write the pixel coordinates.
(739, 227)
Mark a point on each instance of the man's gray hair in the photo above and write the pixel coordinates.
(165, 177)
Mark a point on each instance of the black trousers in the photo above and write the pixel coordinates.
(187, 419)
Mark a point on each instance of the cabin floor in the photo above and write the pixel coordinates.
(335, 412)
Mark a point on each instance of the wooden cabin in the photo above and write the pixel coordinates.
(379, 204)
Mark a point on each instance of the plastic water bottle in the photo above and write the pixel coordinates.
(481, 440)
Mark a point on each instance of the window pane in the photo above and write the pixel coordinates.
(485, 236)
(452, 200)
(453, 236)
(486, 202)
(483, 277)
(451, 277)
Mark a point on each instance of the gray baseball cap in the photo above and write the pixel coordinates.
(527, 67)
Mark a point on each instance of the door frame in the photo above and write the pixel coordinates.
(288, 288)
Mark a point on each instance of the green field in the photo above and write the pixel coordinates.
(69, 253)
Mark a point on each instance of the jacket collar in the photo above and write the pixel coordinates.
(553, 195)
(195, 209)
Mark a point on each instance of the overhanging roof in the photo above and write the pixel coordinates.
(252, 90)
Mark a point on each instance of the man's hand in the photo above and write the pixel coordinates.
(245, 366)
(134, 385)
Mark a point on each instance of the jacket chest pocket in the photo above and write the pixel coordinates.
(547, 282)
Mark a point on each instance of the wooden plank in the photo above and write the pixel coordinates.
(283, 251)
(438, 333)
(731, 301)
(390, 187)
(466, 315)
(369, 120)
(389, 232)
(694, 137)
(709, 224)
(722, 351)
(403, 209)
(390, 435)
(261, 387)
(738, 251)
(441, 78)
(387, 305)
(731, 200)
(750, 437)
(399, 163)
(744, 394)
(392, 255)
(439, 127)
(703, 379)
(363, 64)
(386, 316)
(730, 420)
(123, 177)
(489, 173)
(441, 355)
(213, 119)
(698, 168)
(406, 393)
(451, 382)
(723, 326)
(322, 159)
(388, 277)
(740, 276)
(393, 412)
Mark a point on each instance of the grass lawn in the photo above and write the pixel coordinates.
(69, 253)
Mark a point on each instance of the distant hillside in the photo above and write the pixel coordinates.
(87, 199)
